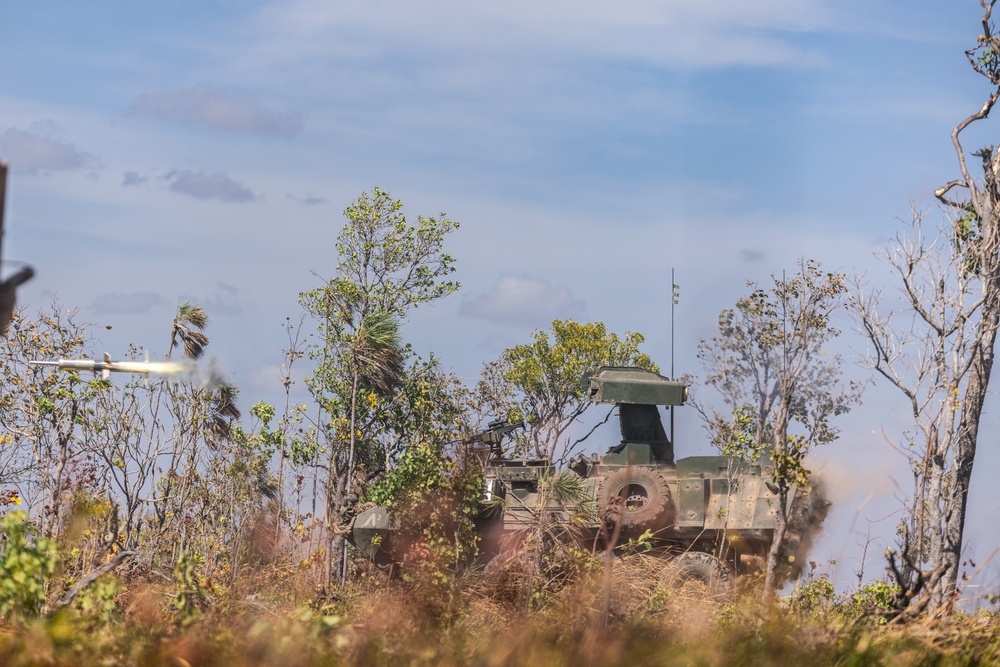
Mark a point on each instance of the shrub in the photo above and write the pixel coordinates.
(29, 561)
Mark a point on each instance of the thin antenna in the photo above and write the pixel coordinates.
(675, 296)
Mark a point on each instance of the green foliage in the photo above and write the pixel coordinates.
(189, 324)
(302, 452)
(875, 600)
(258, 445)
(240, 480)
(435, 501)
(737, 437)
(812, 595)
(548, 553)
(385, 267)
(377, 353)
(541, 382)
(28, 562)
(407, 261)
(191, 598)
(100, 599)
(967, 240)
(817, 600)
(320, 623)
(767, 363)
(566, 488)
(637, 545)
(420, 469)
(985, 59)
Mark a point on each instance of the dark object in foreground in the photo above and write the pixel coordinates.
(8, 287)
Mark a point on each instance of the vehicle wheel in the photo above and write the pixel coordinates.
(637, 499)
(699, 568)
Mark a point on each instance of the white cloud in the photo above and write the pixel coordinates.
(226, 300)
(117, 303)
(307, 198)
(42, 149)
(523, 300)
(132, 178)
(204, 185)
(218, 109)
(671, 33)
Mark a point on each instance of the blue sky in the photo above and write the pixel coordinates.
(205, 151)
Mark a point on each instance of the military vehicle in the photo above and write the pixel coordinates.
(713, 516)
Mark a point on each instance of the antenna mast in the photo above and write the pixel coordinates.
(674, 298)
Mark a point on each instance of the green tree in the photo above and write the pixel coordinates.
(436, 500)
(121, 467)
(385, 268)
(190, 505)
(50, 419)
(239, 496)
(542, 382)
(768, 364)
(376, 361)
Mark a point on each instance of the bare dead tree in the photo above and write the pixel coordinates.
(939, 352)
(977, 240)
(926, 349)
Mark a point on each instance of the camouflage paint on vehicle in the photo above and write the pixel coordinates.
(714, 505)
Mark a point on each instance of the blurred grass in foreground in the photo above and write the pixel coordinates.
(621, 620)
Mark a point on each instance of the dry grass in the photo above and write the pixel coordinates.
(621, 617)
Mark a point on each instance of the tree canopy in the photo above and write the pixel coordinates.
(768, 364)
(541, 381)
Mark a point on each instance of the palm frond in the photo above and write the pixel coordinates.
(194, 342)
(223, 412)
(378, 353)
(567, 488)
(225, 400)
(192, 314)
(188, 326)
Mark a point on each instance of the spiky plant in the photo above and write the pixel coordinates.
(377, 354)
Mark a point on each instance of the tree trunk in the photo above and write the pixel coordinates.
(956, 502)
(350, 461)
(778, 541)
(936, 511)
(781, 517)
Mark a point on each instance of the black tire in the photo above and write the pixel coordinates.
(701, 568)
(638, 499)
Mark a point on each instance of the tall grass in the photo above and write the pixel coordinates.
(628, 618)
